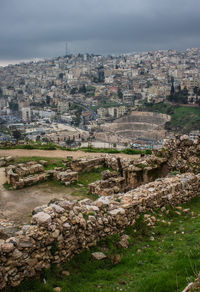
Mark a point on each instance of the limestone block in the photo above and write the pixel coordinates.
(41, 218)
(98, 255)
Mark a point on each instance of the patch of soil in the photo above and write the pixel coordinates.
(17, 205)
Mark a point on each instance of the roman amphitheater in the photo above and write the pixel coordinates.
(138, 126)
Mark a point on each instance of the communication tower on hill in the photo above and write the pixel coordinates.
(67, 49)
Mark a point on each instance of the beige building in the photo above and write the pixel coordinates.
(26, 114)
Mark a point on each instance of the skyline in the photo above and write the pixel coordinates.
(40, 29)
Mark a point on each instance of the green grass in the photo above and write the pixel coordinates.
(7, 186)
(165, 264)
(85, 179)
(184, 119)
(31, 146)
(84, 149)
(162, 107)
(114, 151)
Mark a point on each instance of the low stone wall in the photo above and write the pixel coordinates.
(83, 164)
(130, 174)
(21, 175)
(110, 184)
(63, 229)
(67, 177)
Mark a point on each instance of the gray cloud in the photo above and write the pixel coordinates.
(40, 28)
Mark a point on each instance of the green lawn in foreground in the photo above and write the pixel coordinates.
(165, 264)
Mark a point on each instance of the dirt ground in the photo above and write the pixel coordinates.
(17, 205)
(56, 153)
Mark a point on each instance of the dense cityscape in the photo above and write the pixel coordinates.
(67, 99)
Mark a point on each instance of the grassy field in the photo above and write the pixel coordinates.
(161, 258)
(183, 119)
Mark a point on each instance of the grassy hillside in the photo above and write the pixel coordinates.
(161, 258)
(183, 119)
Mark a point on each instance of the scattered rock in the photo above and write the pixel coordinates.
(57, 289)
(66, 273)
(98, 255)
(124, 241)
(115, 259)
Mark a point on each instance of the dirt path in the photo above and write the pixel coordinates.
(55, 153)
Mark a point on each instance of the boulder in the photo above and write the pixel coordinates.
(41, 218)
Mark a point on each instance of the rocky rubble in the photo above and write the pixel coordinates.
(62, 229)
(65, 176)
(87, 164)
(25, 174)
(4, 161)
(182, 154)
(110, 184)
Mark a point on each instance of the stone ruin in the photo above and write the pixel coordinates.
(182, 154)
(67, 177)
(4, 161)
(61, 229)
(25, 174)
(30, 173)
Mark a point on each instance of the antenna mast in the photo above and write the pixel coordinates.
(66, 48)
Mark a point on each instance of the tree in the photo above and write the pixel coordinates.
(82, 89)
(16, 134)
(13, 106)
(48, 99)
(60, 76)
(73, 90)
(1, 92)
(120, 94)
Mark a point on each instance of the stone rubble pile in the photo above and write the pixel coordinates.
(64, 228)
(110, 184)
(25, 174)
(87, 164)
(65, 176)
(182, 154)
(4, 161)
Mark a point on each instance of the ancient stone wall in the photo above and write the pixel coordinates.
(25, 174)
(63, 229)
(4, 161)
(182, 154)
(67, 177)
(30, 173)
(83, 164)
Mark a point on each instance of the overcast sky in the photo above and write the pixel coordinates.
(39, 28)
